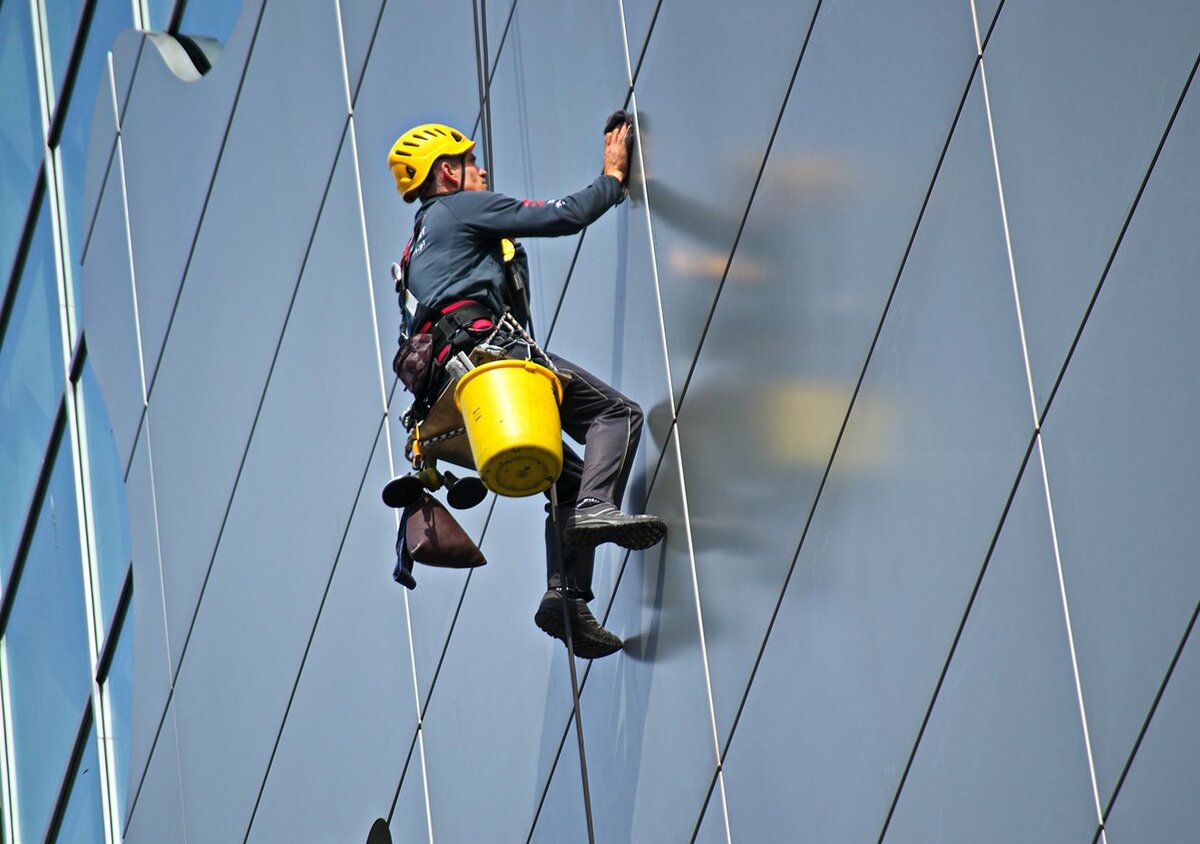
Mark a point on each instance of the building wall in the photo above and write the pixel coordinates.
(906, 290)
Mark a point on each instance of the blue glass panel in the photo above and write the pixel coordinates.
(21, 129)
(211, 18)
(1158, 800)
(449, 96)
(329, 775)
(547, 127)
(562, 816)
(83, 820)
(701, 62)
(48, 665)
(31, 386)
(359, 22)
(1002, 757)
(109, 320)
(297, 490)
(109, 509)
(151, 650)
(821, 248)
(929, 456)
(62, 20)
(91, 91)
(241, 279)
(160, 14)
(638, 14)
(411, 821)
(172, 131)
(1080, 94)
(118, 686)
(158, 814)
(646, 718)
(497, 662)
(432, 608)
(1122, 457)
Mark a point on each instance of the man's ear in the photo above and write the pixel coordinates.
(451, 176)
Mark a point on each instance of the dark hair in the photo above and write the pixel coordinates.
(427, 189)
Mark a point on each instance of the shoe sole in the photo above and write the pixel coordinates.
(632, 535)
(551, 623)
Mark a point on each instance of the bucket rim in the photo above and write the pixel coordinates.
(508, 363)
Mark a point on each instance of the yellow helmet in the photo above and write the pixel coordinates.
(414, 152)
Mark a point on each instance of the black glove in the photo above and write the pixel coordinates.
(615, 121)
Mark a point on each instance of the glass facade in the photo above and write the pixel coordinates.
(905, 288)
(65, 574)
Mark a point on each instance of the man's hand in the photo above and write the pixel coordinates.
(616, 153)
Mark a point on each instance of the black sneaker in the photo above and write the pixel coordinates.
(589, 639)
(602, 522)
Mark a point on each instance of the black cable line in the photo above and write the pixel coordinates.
(1137, 745)
(1117, 245)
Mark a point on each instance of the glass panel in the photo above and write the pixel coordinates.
(62, 19)
(158, 814)
(109, 19)
(928, 459)
(118, 687)
(167, 120)
(324, 388)
(359, 22)
(1158, 800)
(358, 666)
(159, 14)
(151, 650)
(48, 664)
(108, 319)
(1121, 452)
(646, 719)
(701, 60)
(110, 511)
(563, 816)
(545, 152)
(31, 384)
(211, 18)
(1002, 757)
(1080, 95)
(497, 661)
(83, 822)
(449, 96)
(822, 245)
(20, 130)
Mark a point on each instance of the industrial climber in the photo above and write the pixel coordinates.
(455, 270)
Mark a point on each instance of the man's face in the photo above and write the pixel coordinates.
(474, 176)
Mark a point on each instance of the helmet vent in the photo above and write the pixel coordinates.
(412, 171)
(456, 136)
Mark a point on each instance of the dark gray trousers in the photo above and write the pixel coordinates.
(608, 425)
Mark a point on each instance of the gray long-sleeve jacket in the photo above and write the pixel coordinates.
(455, 253)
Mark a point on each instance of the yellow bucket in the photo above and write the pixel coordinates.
(510, 409)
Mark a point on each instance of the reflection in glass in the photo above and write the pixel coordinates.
(20, 128)
(110, 511)
(83, 821)
(109, 19)
(48, 665)
(212, 18)
(158, 14)
(31, 383)
(118, 688)
(62, 19)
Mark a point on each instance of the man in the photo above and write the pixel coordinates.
(454, 267)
